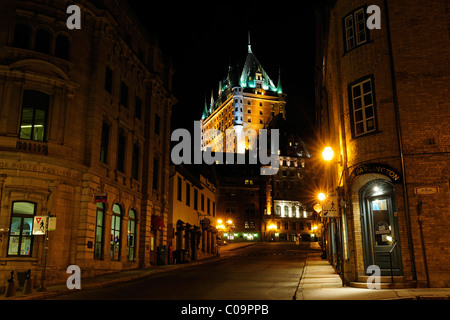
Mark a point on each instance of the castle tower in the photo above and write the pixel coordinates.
(247, 101)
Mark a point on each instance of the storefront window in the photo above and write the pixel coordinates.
(131, 236)
(99, 243)
(20, 235)
(115, 232)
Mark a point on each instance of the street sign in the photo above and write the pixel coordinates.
(426, 190)
(39, 225)
(52, 223)
(330, 207)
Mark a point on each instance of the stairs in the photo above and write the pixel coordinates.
(385, 282)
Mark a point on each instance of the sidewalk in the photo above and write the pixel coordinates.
(320, 282)
(118, 277)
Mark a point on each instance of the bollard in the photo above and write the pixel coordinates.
(28, 287)
(11, 287)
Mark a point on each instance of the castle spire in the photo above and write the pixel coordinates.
(279, 87)
(249, 43)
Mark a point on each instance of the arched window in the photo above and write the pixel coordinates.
(62, 47)
(115, 232)
(22, 34)
(278, 210)
(20, 234)
(294, 210)
(286, 211)
(43, 41)
(131, 236)
(99, 231)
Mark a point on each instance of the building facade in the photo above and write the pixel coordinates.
(247, 101)
(287, 214)
(240, 202)
(192, 219)
(84, 136)
(382, 106)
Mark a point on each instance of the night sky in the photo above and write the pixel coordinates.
(203, 38)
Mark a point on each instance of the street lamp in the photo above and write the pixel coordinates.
(328, 155)
(322, 196)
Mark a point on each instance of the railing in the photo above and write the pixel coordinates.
(390, 260)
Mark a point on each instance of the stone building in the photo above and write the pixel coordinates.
(288, 216)
(240, 200)
(383, 107)
(84, 136)
(192, 219)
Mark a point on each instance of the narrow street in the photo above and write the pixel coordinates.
(262, 271)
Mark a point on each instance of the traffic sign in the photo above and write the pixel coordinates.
(330, 207)
(39, 225)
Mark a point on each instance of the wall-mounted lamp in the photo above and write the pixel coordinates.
(328, 155)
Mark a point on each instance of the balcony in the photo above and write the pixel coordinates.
(32, 147)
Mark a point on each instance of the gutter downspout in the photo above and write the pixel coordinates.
(400, 143)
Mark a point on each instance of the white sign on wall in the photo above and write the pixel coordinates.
(39, 225)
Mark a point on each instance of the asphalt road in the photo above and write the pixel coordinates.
(263, 271)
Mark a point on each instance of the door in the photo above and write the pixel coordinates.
(380, 228)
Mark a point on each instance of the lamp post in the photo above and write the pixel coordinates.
(328, 155)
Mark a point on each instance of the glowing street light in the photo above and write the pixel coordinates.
(322, 196)
(328, 154)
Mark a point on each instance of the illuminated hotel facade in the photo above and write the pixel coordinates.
(246, 101)
(262, 208)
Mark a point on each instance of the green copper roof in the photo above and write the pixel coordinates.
(248, 78)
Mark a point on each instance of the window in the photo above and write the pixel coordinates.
(34, 115)
(20, 235)
(104, 143)
(108, 79)
(131, 236)
(355, 32)
(202, 202)
(208, 206)
(115, 232)
(155, 173)
(278, 210)
(62, 47)
(249, 208)
(43, 41)
(195, 199)
(22, 33)
(362, 107)
(121, 149)
(286, 211)
(135, 163)
(124, 94)
(157, 120)
(179, 189)
(188, 194)
(99, 236)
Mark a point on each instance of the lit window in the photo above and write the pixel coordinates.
(131, 236)
(34, 115)
(20, 235)
(115, 232)
(99, 236)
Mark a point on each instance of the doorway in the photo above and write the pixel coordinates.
(379, 223)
